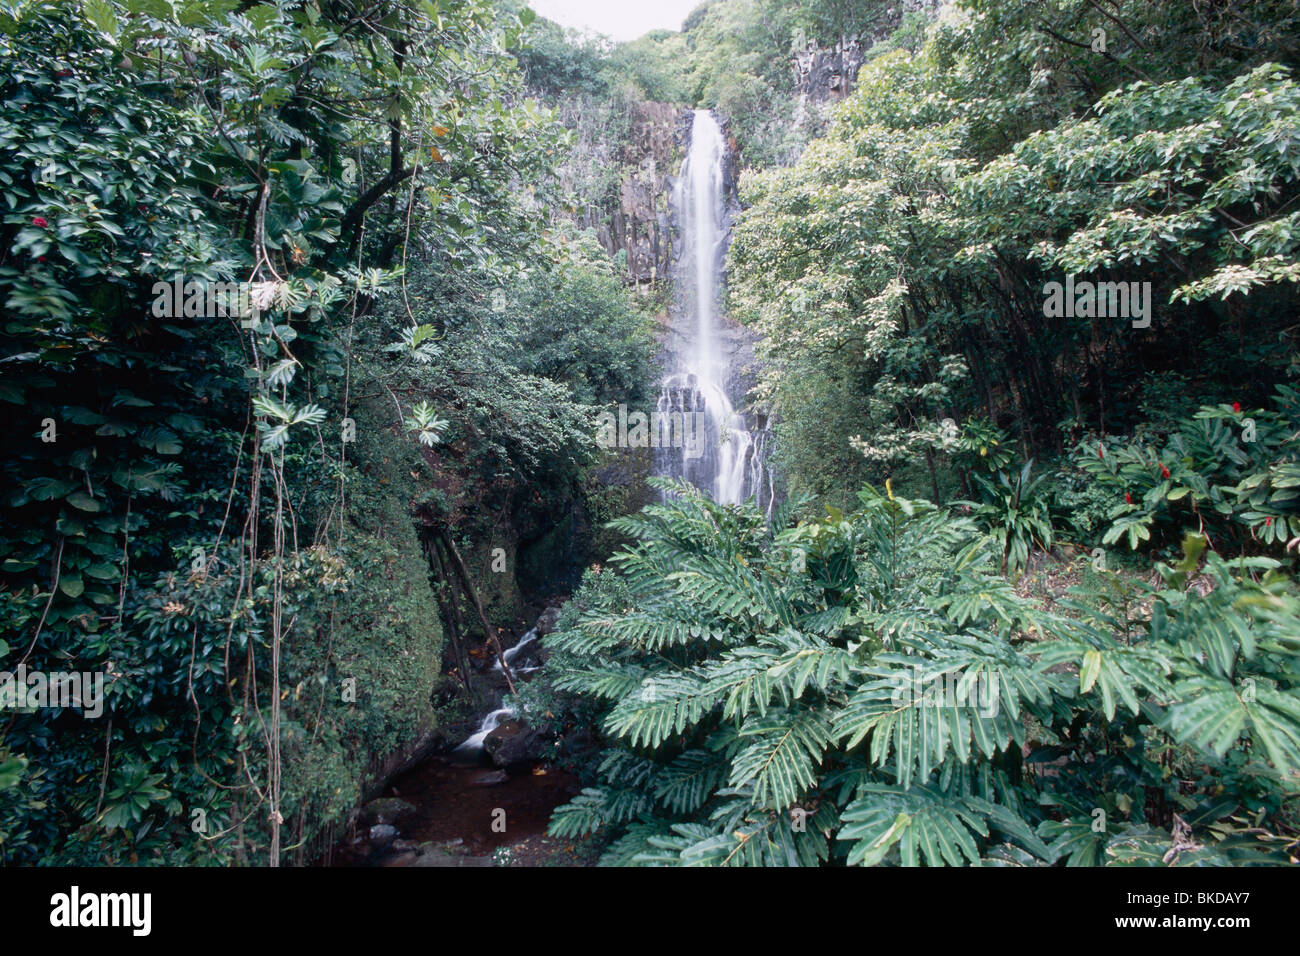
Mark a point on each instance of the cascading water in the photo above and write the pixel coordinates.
(513, 652)
(474, 743)
(721, 455)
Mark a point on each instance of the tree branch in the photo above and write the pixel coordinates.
(372, 195)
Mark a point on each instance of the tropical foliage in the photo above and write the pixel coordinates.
(903, 264)
(310, 308)
(220, 507)
(869, 689)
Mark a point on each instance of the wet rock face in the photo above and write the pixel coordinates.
(641, 225)
(451, 735)
(546, 623)
(828, 73)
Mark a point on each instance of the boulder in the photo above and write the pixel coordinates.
(490, 778)
(513, 742)
(546, 623)
(386, 810)
(396, 854)
(453, 734)
(382, 835)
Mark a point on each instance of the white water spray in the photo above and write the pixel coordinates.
(731, 467)
(490, 723)
(512, 652)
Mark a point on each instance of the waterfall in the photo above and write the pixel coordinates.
(728, 458)
(512, 652)
(490, 723)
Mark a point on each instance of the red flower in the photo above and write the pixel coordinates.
(1236, 406)
(1128, 499)
(63, 73)
(1164, 472)
(1101, 451)
(39, 222)
(1267, 522)
(41, 259)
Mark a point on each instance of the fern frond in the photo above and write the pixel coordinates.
(916, 711)
(654, 632)
(923, 823)
(665, 705)
(1212, 713)
(586, 639)
(1116, 670)
(637, 846)
(606, 683)
(623, 769)
(779, 756)
(685, 784)
(807, 661)
(724, 586)
(596, 807)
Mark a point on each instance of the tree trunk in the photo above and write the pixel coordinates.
(488, 630)
(934, 481)
(455, 624)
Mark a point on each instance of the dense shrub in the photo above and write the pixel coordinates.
(869, 689)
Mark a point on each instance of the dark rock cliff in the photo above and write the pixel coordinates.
(827, 73)
(640, 224)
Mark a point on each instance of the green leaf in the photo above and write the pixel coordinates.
(83, 501)
(779, 756)
(11, 770)
(1089, 670)
(1212, 713)
(102, 17)
(926, 824)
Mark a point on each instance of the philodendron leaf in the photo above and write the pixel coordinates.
(1089, 671)
(1212, 713)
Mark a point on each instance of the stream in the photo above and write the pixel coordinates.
(483, 802)
(488, 799)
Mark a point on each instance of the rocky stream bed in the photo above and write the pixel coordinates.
(482, 797)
